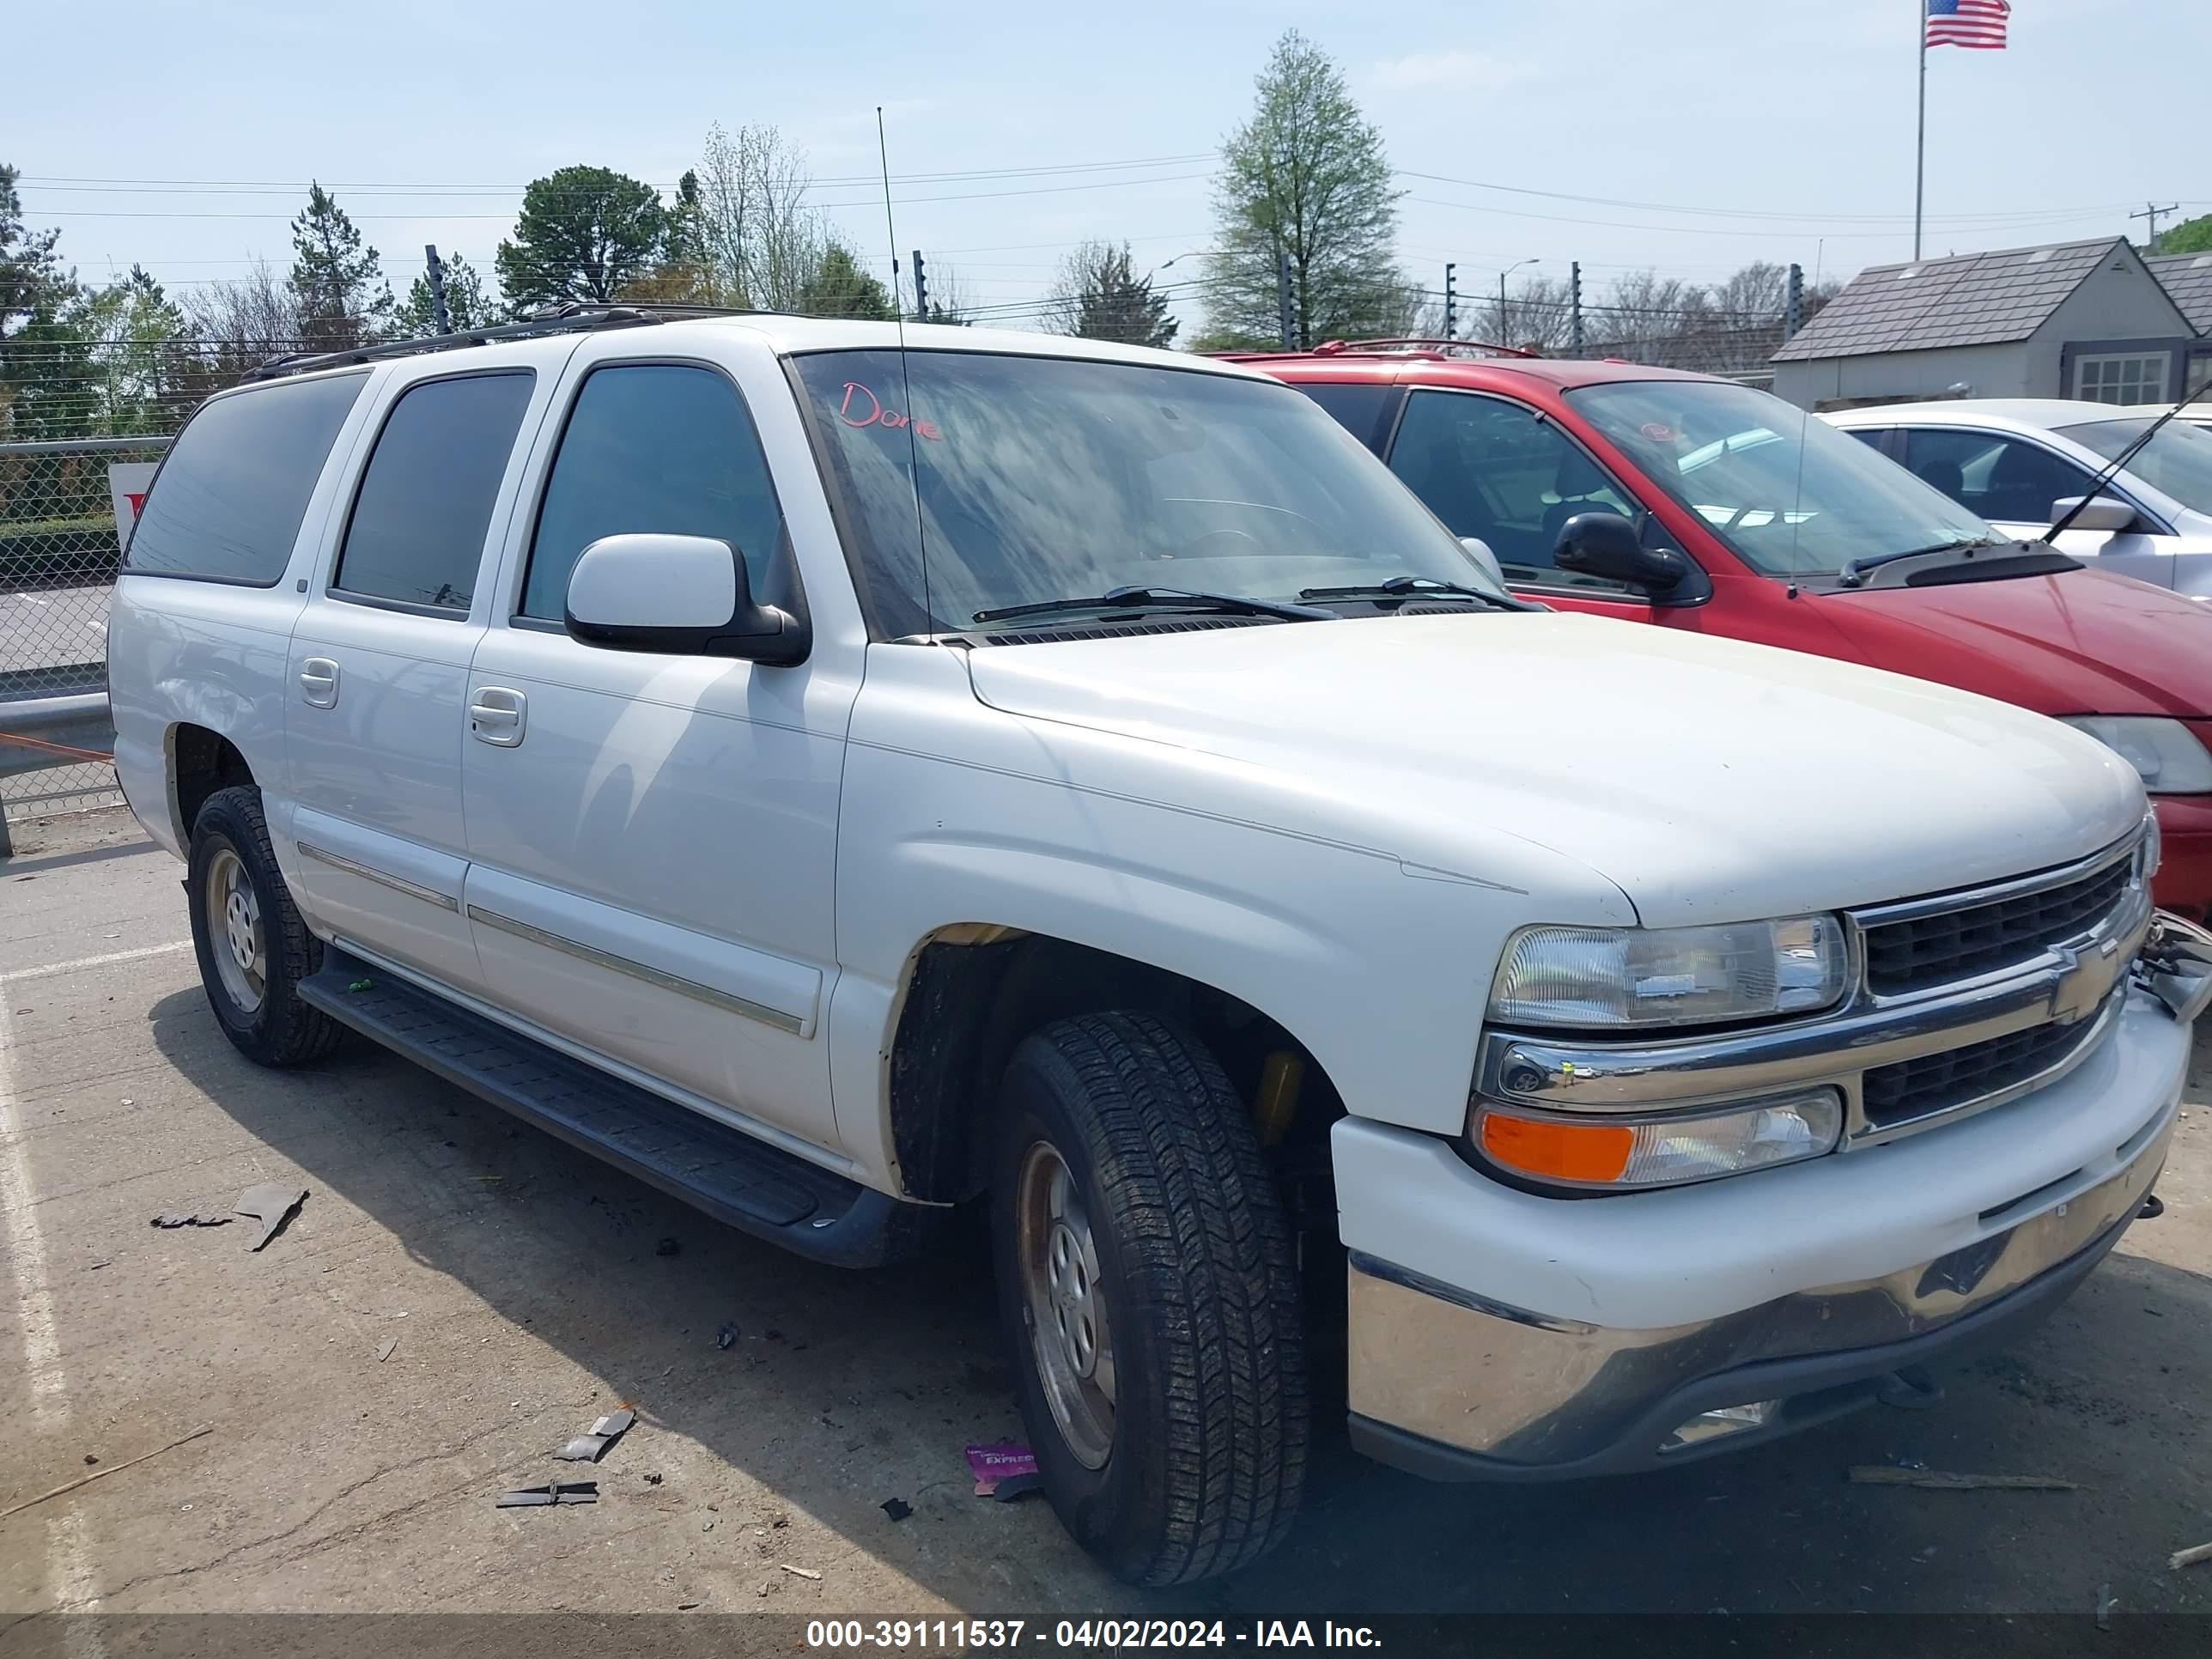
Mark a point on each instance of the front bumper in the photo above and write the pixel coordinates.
(1506, 1335)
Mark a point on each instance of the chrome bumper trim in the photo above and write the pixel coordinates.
(1525, 1390)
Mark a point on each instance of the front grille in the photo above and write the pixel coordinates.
(1938, 1083)
(1912, 955)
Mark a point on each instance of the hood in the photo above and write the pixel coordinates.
(1709, 780)
(2082, 642)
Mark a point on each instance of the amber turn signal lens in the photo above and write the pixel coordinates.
(1561, 1152)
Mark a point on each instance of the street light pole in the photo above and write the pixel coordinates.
(1502, 276)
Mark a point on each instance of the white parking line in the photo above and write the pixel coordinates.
(67, 1546)
(138, 955)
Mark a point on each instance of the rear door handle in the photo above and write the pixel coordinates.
(319, 682)
(498, 716)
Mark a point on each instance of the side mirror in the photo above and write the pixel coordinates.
(1606, 544)
(683, 595)
(1478, 550)
(2105, 512)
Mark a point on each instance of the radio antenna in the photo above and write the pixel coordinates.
(906, 379)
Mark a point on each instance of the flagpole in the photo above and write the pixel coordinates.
(1920, 152)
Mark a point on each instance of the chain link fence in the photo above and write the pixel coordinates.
(58, 552)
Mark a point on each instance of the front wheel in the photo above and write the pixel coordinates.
(253, 948)
(1149, 1291)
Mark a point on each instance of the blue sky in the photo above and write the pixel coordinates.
(1712, 131)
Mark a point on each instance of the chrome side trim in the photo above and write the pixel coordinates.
(639, 971)
(382, 879)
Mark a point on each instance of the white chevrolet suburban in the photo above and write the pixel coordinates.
(837, 775)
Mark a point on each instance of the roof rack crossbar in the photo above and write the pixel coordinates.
(1408, 346)
(572, 316)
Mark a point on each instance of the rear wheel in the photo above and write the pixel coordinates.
(1148, 1287)
(253, 948)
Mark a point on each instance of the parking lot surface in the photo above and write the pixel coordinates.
(460, 1295)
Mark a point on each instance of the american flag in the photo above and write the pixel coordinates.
(1968, 23)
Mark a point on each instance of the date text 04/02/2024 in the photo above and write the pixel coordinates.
(922, 1635)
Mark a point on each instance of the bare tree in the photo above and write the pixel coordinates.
(758, 242)
(243, 322)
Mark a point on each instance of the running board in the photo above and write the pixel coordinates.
(733, 1177)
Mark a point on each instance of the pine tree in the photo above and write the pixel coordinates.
(840, 287)
(1306, 177)
(1098, 296)
(344, 299)
(584, 233)
(33, 287)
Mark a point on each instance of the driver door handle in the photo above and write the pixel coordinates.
(319, 682)
(498, 716)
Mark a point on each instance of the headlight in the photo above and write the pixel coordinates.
(1595, 977)
(2165, 753)
(1662, 1152)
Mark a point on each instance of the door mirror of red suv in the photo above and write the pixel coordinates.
(1606, 544)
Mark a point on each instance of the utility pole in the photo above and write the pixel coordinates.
(1451, 303)
(1920, 147)
(1501, 329)
(1793, 306)
(440, 318)
(1283, 315)
(920, 289)
(1575, 308)
(2154, 212)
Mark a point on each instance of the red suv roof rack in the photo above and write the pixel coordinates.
(1435, 349)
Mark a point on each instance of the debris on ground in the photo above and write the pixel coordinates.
(668, 1247)
(652, 1479)
(2188, 1558)
(385, 1349)
(1882, 1474)
(1005, 1461)
(2104, 1605)
(272, 1203)
(589, 1448)
(192, 1221)
(360, 985)
(89, 1460)
(897, 1508)
(573, 1491)
(727, 1335)
(113, 1468)
(798, 1572)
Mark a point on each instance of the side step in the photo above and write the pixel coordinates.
(733, 1178)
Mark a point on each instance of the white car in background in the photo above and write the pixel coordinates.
(2021, 463)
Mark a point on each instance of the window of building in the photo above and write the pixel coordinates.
(2121, 378)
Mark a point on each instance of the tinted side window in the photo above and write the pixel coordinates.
(417, 531)
(652, 446)
(1360, 409)
(2001, 479)
(1490, 469)
(230, 496)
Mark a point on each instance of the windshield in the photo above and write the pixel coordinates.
(2178, 461)
(1046, 478)
(1789, 493)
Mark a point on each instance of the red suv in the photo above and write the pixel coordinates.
(1690, 501)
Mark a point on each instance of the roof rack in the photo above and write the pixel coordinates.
(569, 317)
(1442, 350)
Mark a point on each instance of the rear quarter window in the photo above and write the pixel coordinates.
(1363, 410)
(228, 501)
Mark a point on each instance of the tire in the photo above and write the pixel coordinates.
(1194, 1256)
(230, 847)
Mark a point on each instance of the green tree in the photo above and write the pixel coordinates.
(840, 287)
(344, 299)
(2190, 236)
(1099, 296)
(467, 305)
(138, 355)
(584, 233)
(1306, 176)
(33, 287)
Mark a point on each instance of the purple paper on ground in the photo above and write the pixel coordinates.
(993, 1464)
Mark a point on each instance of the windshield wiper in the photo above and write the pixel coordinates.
(1412, 587)
(1159, 598)
(1855, 573)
